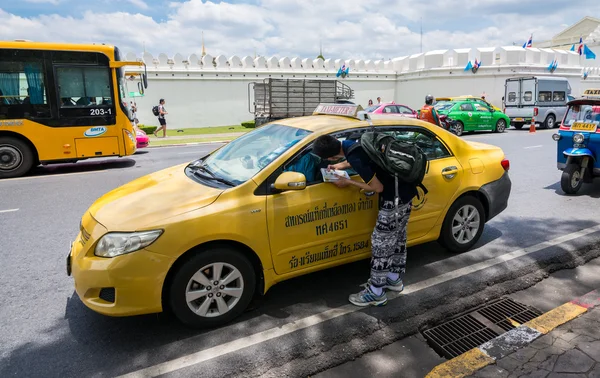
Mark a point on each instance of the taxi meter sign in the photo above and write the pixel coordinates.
(338, 109)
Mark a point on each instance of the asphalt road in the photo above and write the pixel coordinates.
(301, 326)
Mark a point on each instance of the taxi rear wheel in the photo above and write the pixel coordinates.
(463, 224)
(16, 158)
(212, 288)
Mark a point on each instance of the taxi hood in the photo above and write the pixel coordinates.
(150, 199)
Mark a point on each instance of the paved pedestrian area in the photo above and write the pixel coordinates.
(571, 350)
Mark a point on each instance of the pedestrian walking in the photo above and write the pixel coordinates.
(161, 119)
(388, 240)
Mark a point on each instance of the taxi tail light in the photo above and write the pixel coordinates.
(505, 164)
(535, 111)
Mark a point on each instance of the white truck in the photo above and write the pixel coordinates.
(542, 97)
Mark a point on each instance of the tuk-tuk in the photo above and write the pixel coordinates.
(578, 142)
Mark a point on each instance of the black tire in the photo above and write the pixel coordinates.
(182, 278)
(459, 128)
(567, 179)
(16, 157)
(550, 122)
(447, 238)
(518, 126)
(500, 126)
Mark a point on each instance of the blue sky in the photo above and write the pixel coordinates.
(372, 29)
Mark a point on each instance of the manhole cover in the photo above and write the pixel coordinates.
(475, 327)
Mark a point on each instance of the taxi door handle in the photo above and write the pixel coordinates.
(449, 172)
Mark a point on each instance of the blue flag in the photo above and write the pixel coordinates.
(589, 54)
(572, 48)
(469, 66)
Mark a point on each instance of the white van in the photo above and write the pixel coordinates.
(542, 97)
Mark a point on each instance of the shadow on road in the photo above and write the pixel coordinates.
(83, 166)
(83, 343)
(587, 190)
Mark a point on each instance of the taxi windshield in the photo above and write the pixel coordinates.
(242, 158)
(582, 113)
(371, 109)
(444, 105)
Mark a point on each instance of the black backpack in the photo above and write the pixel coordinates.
(155, 110)
(405, 160)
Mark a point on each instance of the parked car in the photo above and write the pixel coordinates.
(473, 115)
(141, 138)
(392, 108)
(542, 97)
(265, 215)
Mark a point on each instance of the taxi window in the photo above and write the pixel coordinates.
(480, 107)
(466, 107)
(242, 158)
(430, 144)
(582, 113)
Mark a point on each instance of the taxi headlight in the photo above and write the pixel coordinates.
(119, 243)
(578, 138)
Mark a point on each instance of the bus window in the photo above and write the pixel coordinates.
(84, 86)
(22, 88)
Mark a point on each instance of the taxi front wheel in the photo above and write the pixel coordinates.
(463, 224)
(212, 288)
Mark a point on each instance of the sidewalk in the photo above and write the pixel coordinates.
(569, 346)
(195, 136)
(571, 350)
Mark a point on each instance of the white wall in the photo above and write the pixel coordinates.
(198, 94)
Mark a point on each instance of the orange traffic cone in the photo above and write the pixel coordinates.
(532, 126)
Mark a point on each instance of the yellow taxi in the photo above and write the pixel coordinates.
(256, 211)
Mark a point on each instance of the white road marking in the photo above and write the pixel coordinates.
(9, 211)
(49, 175)
(538, 146)
(235, 345)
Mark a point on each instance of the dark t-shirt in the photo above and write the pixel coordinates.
(367, 169)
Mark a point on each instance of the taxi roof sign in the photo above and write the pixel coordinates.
(347, 110)
(591, 93)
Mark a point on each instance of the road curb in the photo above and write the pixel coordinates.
(189, 144)
(486, 354)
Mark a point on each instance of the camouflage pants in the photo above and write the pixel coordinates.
(388, 242)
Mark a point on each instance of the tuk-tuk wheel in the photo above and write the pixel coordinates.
(571, 180)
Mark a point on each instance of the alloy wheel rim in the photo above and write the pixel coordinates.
(465, 224)
(10, 158)
(550, 122)
(501, 125)
(214, 290)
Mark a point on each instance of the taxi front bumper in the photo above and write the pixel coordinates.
(125, 285)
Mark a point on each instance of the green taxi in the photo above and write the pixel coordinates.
(473, 116)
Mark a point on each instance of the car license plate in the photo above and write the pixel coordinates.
(582, 126)
(519, 119)
(69, 261)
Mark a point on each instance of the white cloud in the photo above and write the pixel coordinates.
(139, 3)
(351, 29)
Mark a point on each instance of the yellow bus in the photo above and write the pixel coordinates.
(62, 103)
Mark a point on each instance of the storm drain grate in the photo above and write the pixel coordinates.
(508, 314)
(475, 327)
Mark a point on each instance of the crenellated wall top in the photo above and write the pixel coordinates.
(437, 59)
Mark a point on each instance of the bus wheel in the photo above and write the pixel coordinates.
(16, 158)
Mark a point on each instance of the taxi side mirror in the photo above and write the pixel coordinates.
(290, 181)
